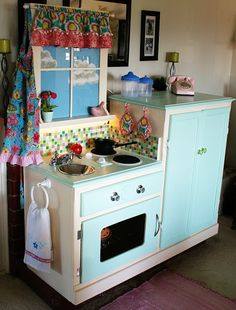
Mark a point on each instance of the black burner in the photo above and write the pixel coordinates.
(95, 152)
(126, 159)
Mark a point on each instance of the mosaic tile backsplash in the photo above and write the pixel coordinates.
(58, 140)
(148, 148)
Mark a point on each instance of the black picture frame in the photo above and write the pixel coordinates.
(119, 58)
(149, 35)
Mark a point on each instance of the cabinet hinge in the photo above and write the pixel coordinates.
(79, 235)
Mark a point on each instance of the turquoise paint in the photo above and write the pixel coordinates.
(101, 173)
(91, 266)
(209, 170)
(165, 100)
(183, 134)
(193, 178)
(126, 191)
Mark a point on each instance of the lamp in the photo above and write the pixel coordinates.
(5, 48)
(172, 57)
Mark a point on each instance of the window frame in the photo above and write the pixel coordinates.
(102, 85)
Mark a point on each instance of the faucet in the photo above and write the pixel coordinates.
(64, 159)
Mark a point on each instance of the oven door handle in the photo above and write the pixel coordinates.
(157, 226)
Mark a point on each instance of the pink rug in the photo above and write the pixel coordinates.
(170, 291)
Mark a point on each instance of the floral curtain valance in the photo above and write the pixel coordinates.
(71, 27)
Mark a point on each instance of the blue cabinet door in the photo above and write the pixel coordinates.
(180, 165)
(194, 168)
(209, 169)
(92, 264)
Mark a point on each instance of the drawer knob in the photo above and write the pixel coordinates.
(115, 197)
(140, 189)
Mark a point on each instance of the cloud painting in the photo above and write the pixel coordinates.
(81, 77)
(47, 61)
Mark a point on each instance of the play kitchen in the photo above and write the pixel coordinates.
(126, 217)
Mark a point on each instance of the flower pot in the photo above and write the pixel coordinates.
(47, 116)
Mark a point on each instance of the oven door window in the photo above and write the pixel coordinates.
(122, 236)
(116, 239)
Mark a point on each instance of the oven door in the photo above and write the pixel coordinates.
(116, 239)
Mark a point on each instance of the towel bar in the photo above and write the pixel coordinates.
(45, 192)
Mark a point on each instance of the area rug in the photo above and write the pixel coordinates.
(170, 291)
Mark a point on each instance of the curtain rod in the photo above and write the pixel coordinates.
(34, 5)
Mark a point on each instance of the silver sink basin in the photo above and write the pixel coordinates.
(76, 169)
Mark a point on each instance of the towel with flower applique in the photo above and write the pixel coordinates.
(38, 245)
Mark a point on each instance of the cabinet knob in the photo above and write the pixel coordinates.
(202, 151)
(140, 189)
(115, 197)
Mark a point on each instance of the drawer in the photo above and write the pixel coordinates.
(113, 195)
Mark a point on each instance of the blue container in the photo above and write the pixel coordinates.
(145, 87)
(129, 85)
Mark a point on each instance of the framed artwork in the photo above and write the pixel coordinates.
(120, 14)
(149, 39)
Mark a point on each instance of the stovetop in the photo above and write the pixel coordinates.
(104, 167)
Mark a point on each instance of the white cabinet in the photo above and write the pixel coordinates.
(128, 204)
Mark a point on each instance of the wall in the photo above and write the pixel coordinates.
(231, 145)
(8, 30)
(200, 30)
(203, 33)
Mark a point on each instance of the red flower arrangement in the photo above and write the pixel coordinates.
(45, 97)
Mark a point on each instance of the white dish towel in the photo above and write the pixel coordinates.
(38, 236)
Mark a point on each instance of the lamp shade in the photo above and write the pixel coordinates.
(172, 57)
(5, 46)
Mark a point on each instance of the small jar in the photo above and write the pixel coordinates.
(129, 87)
(145, 86)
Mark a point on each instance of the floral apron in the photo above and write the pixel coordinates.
(21, 141)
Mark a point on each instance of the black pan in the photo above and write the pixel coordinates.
(106, 146)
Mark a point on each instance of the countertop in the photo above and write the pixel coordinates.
(101, 170)
(166, 100)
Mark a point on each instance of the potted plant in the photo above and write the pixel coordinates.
(46, 106)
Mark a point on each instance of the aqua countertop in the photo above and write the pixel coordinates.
(101, 171)
(166, 100)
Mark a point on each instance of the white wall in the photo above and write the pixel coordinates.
(231, 145)
(203, 32)
(200, 30)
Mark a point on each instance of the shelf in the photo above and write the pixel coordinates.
(72, 122)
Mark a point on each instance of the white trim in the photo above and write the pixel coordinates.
(75, 122)
(102, 96)
(103, 75)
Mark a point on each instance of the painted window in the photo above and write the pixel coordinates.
(74, 74)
